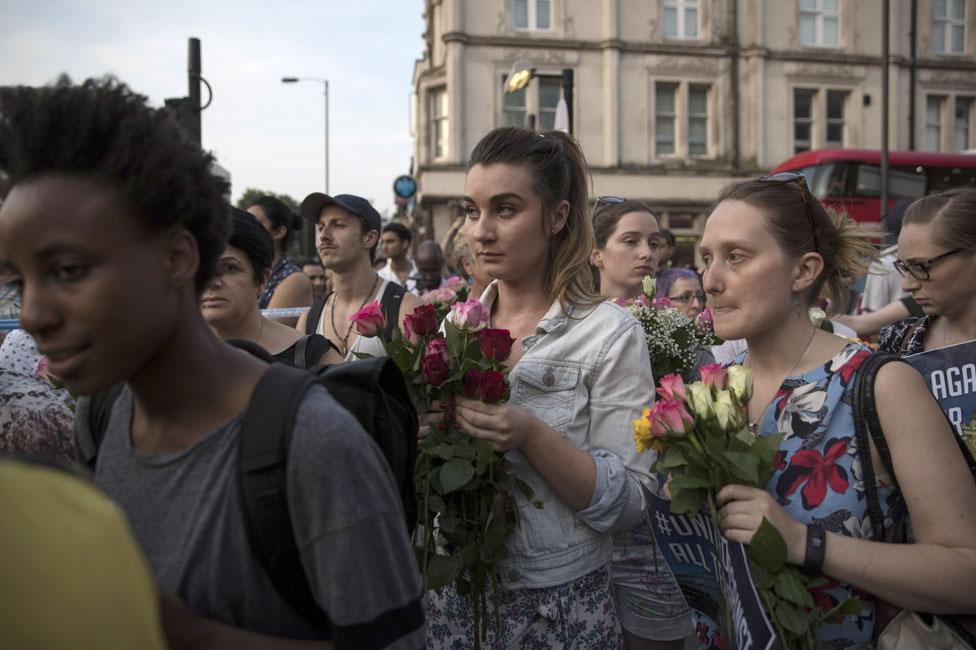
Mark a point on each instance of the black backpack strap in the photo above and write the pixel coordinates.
(390, 303)
(315, 314)
(301, 347)
(263, 455)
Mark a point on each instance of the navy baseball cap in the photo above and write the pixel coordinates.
(314, 203)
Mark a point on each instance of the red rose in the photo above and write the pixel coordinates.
(492, 386)
(471, 383)
(422, 322)
(436, 363)
(495, 344)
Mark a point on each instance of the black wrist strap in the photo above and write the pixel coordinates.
(816, 549)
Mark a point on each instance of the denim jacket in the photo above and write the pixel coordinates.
(587, 375)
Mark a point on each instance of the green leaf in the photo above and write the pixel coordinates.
(689, 481)
(687, 500)
(789, 587)
(745, 466)
(790, 617)
(763, 579)
(673, 457)
(767, 548)
(851, 607)
(454, 474)
(442, 570)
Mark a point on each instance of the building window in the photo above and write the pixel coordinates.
(680, 18)
(803, 120)
(819, 119)
(698, 120)
(438, 123)
(835, 118)
(933, 122)
(948, 26)
(963, 119)
(664, 113)
(531, 15)
(681, 114)
(819, 21)
(537, 101)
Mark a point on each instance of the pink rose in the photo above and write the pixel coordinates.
(714, 375)
(441, 296)
(662, 303)
(369, 320)
(671, 417)
(469, 316)
(42, 370)
(436, 362)
(496, 344)
(623, 302)
(422, 322)
(455, 283)
(704, 321)
(492, 386)
(672, 388)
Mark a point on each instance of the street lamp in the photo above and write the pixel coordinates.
(325, 84)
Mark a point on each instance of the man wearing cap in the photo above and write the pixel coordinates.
(347, 231)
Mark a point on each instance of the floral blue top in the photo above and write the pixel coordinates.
(817, 475)
(281, 270)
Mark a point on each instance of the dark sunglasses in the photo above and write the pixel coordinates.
(922, 270)
(797, 177)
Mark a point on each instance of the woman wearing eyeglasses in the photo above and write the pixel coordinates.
(937, 261)
(683, 288)
(769, 249)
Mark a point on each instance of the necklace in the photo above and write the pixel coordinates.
(344, 340)
(754, 424)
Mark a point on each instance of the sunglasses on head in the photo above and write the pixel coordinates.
(609, 200)
(797, 177)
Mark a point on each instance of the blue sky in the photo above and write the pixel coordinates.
(268, 134)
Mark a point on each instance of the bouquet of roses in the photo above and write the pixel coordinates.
(673, 339)
(463, 486)
(453, 290)
(702, 439)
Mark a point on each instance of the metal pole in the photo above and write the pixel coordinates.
(884, 106)
(326, 136)
(912, 75)
(194, 73)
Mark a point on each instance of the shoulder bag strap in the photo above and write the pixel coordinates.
(301, 346)
(315, 314)
(907, 337)
(263, 455)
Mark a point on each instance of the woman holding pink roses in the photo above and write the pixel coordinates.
(576, 385)
(770, 249)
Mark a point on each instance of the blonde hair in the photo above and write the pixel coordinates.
(559, 173)
(844, 245)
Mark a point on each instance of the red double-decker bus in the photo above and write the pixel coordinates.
(849, 180)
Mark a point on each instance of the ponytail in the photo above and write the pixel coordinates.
(559, 173)
(279, 214)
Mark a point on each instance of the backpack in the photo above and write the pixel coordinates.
(372, 390)
(389, 302)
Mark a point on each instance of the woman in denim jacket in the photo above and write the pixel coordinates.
(579, 378)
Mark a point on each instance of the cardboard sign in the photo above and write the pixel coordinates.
(712, 572)
(950, 374)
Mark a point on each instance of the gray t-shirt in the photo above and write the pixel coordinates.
(348, 521)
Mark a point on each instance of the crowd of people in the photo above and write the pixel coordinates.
(121, 365)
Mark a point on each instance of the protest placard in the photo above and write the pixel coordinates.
(950, 374)
(713, 574)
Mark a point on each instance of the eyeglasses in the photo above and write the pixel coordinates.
(921, 270)
(688, 296)
(797, 177)
(610, 200)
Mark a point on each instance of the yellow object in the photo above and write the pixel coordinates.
(71, 574)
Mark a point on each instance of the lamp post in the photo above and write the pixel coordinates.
(325, 84)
